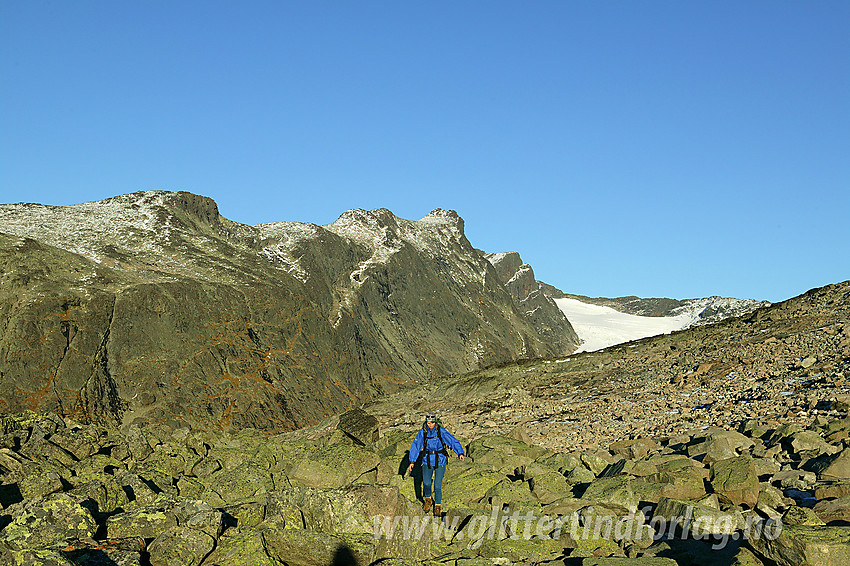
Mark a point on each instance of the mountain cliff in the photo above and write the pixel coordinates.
(152, 306)
(527, 292)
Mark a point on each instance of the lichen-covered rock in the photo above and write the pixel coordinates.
(719, 445)
(548, 486)
(243, 546)
(810, 441)
(44, 522)
(521, 550)
(514, 493)
(698, 519)
(801, 516)
(580, 474)
(686, 483)
(42, 557)
(468, 487)
(736, 480)
(633, 449)
(146, 522)
(180, 546)
(832, 489)
(813, 546)
(359, 425)
(616, 491)
(334, 466)
(745, 557)
(637, 561)
(597, 460)
(836, 467)
(503, 454)
(834, 511)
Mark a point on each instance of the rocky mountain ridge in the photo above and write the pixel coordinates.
(152, 306)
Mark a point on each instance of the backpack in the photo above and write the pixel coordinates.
(434, 453)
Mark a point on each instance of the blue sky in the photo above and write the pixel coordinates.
(679, 149)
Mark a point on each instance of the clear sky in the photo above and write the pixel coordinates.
(679, 149)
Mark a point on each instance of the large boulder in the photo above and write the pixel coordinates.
(180, 546)
(812, 546)
(633, 449)
(834, 511)
(613, 491)
(695, 518)
(503, 454)
(719, 445)
(47, 522)
(360, 426)
(684, 483)
(736, 480)
(836, 467)
(636, 561)
(336, 465)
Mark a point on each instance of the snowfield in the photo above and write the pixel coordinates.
(599, 327)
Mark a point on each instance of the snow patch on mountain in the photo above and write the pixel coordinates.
(599, 327)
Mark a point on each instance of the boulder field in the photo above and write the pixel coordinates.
(337, 493)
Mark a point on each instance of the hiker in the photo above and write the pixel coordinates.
(433, 439)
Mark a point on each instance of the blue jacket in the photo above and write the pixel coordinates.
(433, 443)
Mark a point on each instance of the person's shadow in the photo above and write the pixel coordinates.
(416, 474)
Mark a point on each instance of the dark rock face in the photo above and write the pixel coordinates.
(528, 294)
(152, 306)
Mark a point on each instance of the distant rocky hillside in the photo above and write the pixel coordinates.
(785, 363)
(706, 310)
(152, 306)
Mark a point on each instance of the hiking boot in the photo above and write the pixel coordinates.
(427, 506)
(437, 510)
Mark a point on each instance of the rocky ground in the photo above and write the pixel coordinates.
(727, 444)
